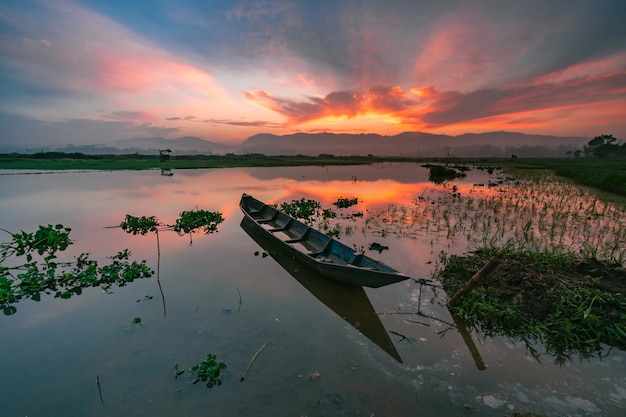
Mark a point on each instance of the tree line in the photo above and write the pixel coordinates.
(603, 146)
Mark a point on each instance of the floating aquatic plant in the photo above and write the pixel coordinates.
(42, 273)
(208, 370)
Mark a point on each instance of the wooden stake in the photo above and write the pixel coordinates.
(475, 280)
(243, 377)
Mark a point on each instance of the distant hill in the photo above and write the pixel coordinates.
(415, 144)
(412, 144)
(187, 145)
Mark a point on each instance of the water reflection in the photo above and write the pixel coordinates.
(57, 348)
(348, 301)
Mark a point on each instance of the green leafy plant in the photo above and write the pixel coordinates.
(140, 225)
(343, 202)
(191, 220)
(42, 273)
(208, 370)
(304, 209)
(47, 240)
(187, 222)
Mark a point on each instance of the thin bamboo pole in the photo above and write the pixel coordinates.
(475, 280)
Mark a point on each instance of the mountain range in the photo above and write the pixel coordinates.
(415, 144)
(412, 144)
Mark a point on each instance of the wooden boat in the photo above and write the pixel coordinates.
(329, 257)
(350, 302)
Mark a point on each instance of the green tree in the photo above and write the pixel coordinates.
(605, 146)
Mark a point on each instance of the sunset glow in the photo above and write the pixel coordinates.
(224, 72)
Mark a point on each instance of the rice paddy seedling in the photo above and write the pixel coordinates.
(538, 213)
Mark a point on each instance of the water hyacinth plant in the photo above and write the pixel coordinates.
(43, 273)
(208, 370)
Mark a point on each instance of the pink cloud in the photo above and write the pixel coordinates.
(143, 73)
(466, 52)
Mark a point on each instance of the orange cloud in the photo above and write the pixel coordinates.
(425, 108)
(337, 104)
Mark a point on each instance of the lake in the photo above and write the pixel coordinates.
(307, 347)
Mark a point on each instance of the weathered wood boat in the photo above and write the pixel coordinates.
(350, 302)
(329, 257)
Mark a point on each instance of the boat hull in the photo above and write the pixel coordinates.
(328, 257)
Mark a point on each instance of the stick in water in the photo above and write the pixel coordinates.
(99, 389)
(252, 361)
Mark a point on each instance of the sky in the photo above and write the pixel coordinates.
(94, 71)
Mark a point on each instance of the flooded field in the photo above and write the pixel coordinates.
(304, 346)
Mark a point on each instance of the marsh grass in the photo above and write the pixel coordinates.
(539, 213)
(571, 306)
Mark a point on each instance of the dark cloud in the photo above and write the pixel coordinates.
(180, 118)
(242, 123)
(127, 115)
(455, 107)
(365, 43)
(27, 132)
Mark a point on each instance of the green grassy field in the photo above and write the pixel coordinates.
(604, 174)
(55, 161)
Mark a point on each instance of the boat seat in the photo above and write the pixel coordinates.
(266, 219)
(280, 228)
(321, 251)
(276, 229)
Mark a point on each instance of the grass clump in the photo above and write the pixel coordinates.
(574, 306)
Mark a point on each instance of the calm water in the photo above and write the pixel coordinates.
(331, 350)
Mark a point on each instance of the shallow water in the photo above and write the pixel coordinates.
(331, 350)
